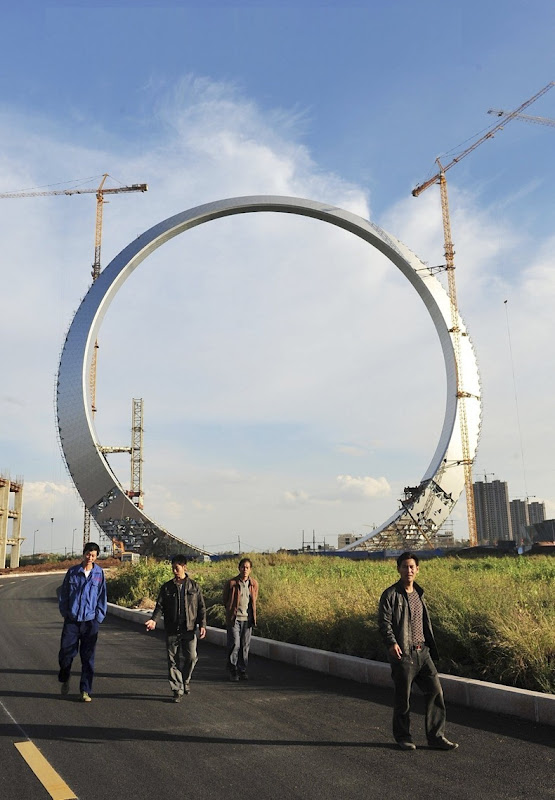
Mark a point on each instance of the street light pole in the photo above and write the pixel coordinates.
(51, 535)
(72, 542)
(34, 540)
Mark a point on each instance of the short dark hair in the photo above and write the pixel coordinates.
(245, 561)
(179, 559)
(405, 557)
(90, 546)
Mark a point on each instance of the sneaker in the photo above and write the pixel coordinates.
(85, 697)
(243, 676)
(407, 745)
(64, 689)
(234, 677)
(177, 697)
(443, 744)
(186, 689)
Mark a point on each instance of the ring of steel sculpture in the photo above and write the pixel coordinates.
(423, 511)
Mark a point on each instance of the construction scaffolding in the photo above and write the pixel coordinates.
(135, 491)
(11, 502)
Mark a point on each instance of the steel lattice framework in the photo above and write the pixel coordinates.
(425, 507)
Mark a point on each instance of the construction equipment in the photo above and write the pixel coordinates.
(101, 193)
(488, 135)
(524, 117)
(135, 491)
(455, 331)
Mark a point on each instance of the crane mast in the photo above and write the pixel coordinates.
(455, 335)
(96, 268)
(455, 331)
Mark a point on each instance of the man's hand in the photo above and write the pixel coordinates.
(202, 633)
(150, 625)
(396, 652)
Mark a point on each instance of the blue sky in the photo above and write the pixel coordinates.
(291, 380)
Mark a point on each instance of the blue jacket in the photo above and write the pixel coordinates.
(82, 599)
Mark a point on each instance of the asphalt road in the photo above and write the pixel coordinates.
(287, 733)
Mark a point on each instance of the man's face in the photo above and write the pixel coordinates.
(245, 570)
(89, 558)
(408, 570)
(179, 571)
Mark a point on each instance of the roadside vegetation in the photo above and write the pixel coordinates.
(494, 618)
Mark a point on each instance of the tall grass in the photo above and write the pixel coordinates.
(494, 618)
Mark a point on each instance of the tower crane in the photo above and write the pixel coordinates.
(462, 394)
(524, 117)
(101, 193)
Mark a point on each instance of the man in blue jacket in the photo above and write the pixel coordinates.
(83, 603)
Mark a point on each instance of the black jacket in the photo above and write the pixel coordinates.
(167, 605)
(394, 619)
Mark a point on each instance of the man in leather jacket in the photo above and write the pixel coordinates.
(181, 603)
(407, 633)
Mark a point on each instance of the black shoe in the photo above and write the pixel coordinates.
(177, 697)
(407, 745)
(234, 677)
(243, 676)
(443, 744)
(186, 689)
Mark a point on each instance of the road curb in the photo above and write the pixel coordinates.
(481, 695)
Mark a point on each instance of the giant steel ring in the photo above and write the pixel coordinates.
(420, 514)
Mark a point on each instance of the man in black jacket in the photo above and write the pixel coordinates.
(181, 603)
(407, 632)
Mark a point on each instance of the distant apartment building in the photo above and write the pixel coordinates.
(519, 519)
(493, 517)
(346, 538)
(536, 512)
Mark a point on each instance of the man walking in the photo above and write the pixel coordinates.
(407, 632)
(181, 603)
(240, 595)
(83, 603)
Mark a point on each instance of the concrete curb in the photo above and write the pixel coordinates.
(492, 697)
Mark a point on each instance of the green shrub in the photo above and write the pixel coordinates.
(494, 618)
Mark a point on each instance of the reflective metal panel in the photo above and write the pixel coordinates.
(98, 486)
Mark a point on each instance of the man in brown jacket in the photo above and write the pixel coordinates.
(240, 594)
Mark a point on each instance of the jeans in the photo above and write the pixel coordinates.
(181, 648)
(238, 643)
(418, 667)
(78, 637)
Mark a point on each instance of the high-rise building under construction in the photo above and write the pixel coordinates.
(493, 518)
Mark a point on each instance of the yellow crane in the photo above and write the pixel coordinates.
(462, 394)
(101, 191)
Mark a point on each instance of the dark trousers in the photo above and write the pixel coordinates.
(182, 657)
(417, 667)
(78, 637)
(238, 643)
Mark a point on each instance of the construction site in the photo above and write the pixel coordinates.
(118, 512)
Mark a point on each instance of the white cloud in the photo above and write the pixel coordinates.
(260, 342)
(296, 497)
(363, 487)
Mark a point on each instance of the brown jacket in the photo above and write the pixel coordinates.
(232, 593)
